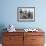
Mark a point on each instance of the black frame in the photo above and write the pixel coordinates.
(26, 20)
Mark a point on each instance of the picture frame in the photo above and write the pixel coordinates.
(26, 14)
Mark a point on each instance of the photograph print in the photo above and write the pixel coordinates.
(26, 14)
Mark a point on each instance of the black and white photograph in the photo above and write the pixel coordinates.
(26, 14)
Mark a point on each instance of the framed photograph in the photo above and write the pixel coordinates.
(26, 14)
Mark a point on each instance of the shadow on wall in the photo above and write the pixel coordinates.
(2, 26)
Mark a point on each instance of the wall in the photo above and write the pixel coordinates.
(9, 13)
